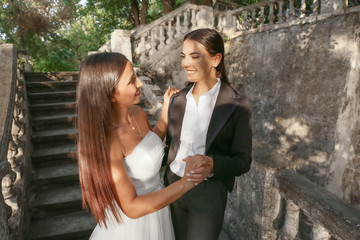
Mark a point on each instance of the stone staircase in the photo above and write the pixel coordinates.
(56, 197)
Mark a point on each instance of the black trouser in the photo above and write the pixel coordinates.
(199, 213)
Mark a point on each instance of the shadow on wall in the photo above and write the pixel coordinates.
(304, 94)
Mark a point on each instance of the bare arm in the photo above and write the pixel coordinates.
(135, 206)
(161, 125)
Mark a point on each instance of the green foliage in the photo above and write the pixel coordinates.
(58, 34)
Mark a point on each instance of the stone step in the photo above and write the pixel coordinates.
(51, 76)
(58, 121)
(47, 109)
(55, 137)
(54, 155)
(67, 226)
(65, 174)
(56, 200)
(48, 86)
(52, 97)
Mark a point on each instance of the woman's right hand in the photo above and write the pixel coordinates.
(168, 94)
(161, 125)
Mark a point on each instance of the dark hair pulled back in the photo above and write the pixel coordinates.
(214, 44)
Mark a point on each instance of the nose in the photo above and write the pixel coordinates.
(139, 83)
(185, 62)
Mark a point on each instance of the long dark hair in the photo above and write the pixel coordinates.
(99, 74)
(214, 44)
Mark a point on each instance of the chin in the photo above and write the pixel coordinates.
(191, 79)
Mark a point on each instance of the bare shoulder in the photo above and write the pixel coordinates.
(137, 110)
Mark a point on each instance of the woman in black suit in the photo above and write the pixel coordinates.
(210, 122)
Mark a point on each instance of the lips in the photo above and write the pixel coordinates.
(137, 93)
(190, 72)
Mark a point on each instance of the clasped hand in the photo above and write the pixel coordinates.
(197, 168)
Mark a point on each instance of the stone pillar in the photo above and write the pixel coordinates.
(205, 17)
(328, 6)
(253, 206)
(8, 56)
(121, 42)
(7, 81)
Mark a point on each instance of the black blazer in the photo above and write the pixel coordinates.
(229, 137)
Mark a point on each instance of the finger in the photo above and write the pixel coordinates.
(168, 90)
(198, 170)
(195, 176)
(196, 181)
(203, 163)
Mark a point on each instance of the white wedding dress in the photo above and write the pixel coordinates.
(143, 166)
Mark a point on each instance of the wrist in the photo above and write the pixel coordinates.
(185, 184)
(211, 160)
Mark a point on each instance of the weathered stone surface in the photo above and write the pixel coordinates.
(7, 83)
(7, 93)
(253, 206)
(120, 42)
(340, 219)
(303, 83)
(4, 214)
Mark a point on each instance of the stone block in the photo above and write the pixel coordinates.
(120, 42)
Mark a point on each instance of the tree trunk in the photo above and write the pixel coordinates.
(168, 5)
(135, 10)
(143, 11)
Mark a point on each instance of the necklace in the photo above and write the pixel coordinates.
(139, 134)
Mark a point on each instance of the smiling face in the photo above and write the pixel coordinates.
(197, 61)
(127, 90)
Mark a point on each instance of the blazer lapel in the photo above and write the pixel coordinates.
(176, 116)
(224, 107)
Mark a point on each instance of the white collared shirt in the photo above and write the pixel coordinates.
(194, 127)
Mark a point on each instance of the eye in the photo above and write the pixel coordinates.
(132, 80)
(182, 56)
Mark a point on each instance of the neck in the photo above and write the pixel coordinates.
(202, 87)
(122, 115)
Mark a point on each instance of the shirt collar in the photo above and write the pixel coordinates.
(211, 92)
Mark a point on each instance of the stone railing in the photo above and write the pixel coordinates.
(15, 167)
(147, 44)
(271, 202)
(150, 42)
(162, 34)
(329, 216)
(268, 12)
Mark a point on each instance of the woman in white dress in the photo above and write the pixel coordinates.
(120, 154)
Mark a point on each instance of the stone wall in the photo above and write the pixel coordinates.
(303, 83)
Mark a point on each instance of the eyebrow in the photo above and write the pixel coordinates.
(131, 78)
(193, 53)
